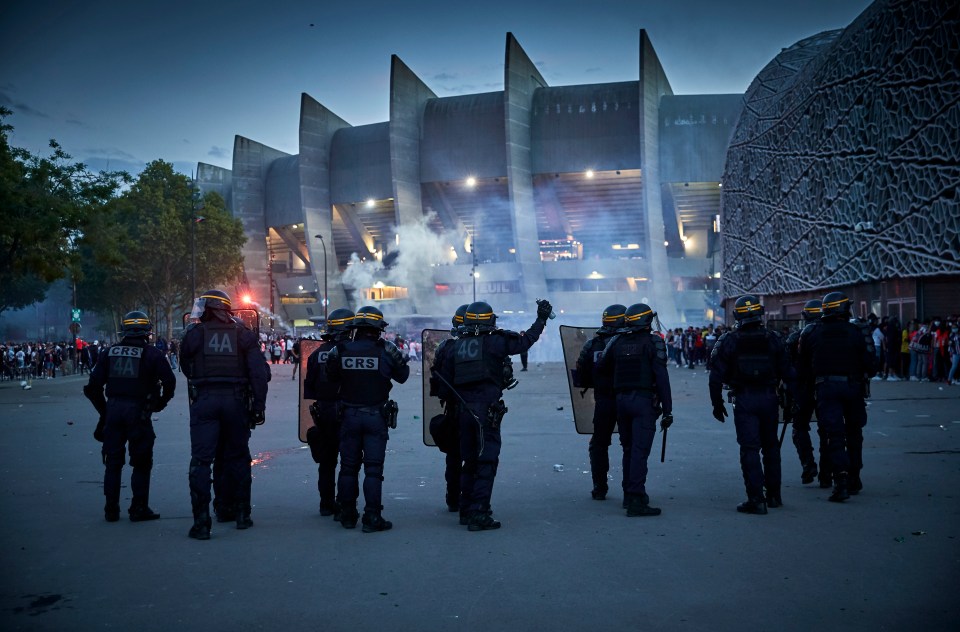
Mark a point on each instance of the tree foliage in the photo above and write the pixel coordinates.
(141, 256)
(47, 203)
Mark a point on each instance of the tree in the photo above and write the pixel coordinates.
(142, 259)
(47, 203)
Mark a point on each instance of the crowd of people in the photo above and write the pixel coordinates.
(38, 360)
(922, 351)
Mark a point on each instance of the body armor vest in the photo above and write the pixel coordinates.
(363, 383)
(323, 388)
(471, 364)
(602, 384)
(220, 355)
(836, 351)
(754, 359)
(125, 362)
(633, 370)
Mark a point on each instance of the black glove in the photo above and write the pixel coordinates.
(719, 412)
(544, 309)
(256, 418)
(98, 431)
(667, 421)
(396, 355)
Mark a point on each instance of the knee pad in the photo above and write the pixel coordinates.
(141, 460)
(373, 469)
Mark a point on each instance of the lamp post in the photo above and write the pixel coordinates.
(325, 301)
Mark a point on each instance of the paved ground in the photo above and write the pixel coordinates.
(889, 559)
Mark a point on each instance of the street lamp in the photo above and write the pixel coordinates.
(325, 301)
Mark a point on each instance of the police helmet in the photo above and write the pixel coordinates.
(458, 316)
(136, 325)
(811, 310)
(480, 315)
(747, 310)
(639, 316)
(613, 317)
(339, 320)
(369, 316)
(836, 304)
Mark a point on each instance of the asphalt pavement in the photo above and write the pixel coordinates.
(888, 559)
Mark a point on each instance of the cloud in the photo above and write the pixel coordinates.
(77, 123)
(19, 107)
(110, 153)
(444, 76)
(593, 70)
(217, 152)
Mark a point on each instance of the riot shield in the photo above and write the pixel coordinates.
(573, 339)
(304, 420)
(431, 339)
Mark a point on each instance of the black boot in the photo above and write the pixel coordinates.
(809, 473)
(773, 498)
(854, 484)
(243, 516)
(825, 480)
(329, 508)
(141, 513)
(349, 516)
(373, 522)
(483, 521)
(840, 490)
(599, 492)
(755, 506)
(224, 512)
(639, 505)
(201, 524)
(465, 516)
(111, 512)
(453, 502)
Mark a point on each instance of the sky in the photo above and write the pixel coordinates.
(119, 84)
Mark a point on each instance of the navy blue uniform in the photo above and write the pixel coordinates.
(224, 364)
(636, 361)
(453, 462)
(364, 368)
(324, 437)
(804, 415)
(835, 358)
(138, 381)
(752, 361)
(604, 412)
(473, 364)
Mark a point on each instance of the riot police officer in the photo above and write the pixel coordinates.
(227, 376)
(604, 397)
(752, 361)
(803, 414)
(636, 361)
(138, 382)
(446, 430)
(474, 367)
(835, 358)
(364, 368)
(324, 436)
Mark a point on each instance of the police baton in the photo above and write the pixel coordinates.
(783, 431)
(663, 445)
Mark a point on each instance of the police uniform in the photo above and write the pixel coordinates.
(474, 366)
(446, 431)
(228, 382)
(636, 361)
(138, 382)
(604, 398)
(364, 368)
(836, 359)
(752, 361)
(802, 415)
(324, 436)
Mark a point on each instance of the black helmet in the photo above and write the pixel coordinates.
(613, 317)
(836, 304)
(639, 316)
(136, 325)
(339, 320)
(371, 317)
(812, 309)
(216, 299)
(480, 315)
(747, 310)
(457, 320)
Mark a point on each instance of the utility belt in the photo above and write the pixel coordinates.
(388, 410)
(835, 378)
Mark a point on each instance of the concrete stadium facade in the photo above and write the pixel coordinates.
(587, 195)
(844, 167)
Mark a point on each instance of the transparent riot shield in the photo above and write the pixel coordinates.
(431, 339)
(304, 420)
(573, 339)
